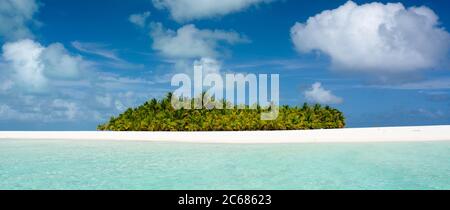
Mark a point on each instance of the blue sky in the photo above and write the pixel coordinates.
(70, 65)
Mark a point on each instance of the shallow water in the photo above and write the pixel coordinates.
(32, 164)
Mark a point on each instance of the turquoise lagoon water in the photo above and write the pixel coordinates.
(31, 164)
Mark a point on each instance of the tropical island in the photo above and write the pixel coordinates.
(159, 115)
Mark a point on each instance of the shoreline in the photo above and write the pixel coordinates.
(347, 135)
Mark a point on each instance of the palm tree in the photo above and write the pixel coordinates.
(156, 115)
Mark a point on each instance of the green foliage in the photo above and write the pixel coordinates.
(157, 115)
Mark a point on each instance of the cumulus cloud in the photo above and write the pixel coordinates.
(190, 42)
(33, 64)
(318, 94)
(375, 38)
(45, 109)
(139, 19)
(185, 10)
(15, 16)
(58, 63)
(24, 58)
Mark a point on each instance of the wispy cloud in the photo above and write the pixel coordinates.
(96, 49)
(433, 84)
(111, 55)
(279, 64)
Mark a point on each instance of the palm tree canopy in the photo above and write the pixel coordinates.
(159, 115)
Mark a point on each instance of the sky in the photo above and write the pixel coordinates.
(71, 65)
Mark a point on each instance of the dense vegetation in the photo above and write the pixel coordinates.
(157, 115)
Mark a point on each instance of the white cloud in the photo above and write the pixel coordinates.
(139, 19)
(24, 58)
(189, 42)
(45, 84)
(317, 94)
(113, 60)
(96, 49)
(59, 63)
(6, 85)
(15, 15)
(33, 64)
(185, 10)
(65, 109)
(375, 38)
(9, 113)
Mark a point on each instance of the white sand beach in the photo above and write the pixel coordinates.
(350, 135)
